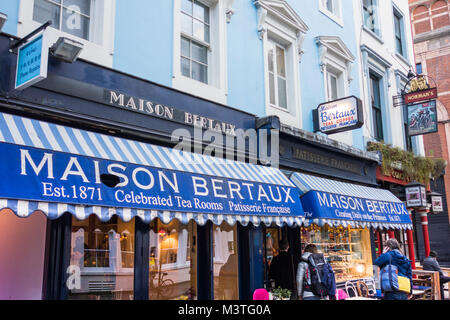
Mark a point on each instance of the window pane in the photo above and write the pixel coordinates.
(102, 253)
(272, 88)
(333, 87)
(329, 5)
(185, 67)
(399, 45)
(201, 12)
(225, 263)
(199, 72)
(200, 31)
(172, 265)
(186, 6)
(270, 60)
(186, 24)
(185, 50)
(83, 6)
(281, 68)
(282, 95)
(75, 24)
(199, 53)
(44, 11)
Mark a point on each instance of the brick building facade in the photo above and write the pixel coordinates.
(431, 31)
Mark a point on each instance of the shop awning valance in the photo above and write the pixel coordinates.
(57, 169)
(336, 203)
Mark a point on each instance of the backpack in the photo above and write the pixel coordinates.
(316, 265)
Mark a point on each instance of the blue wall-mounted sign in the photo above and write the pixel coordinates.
(32, 62)
(340, 115)
(322, 205)
(44, 175)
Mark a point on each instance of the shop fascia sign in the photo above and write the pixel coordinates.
(339, 115)
(32, 61)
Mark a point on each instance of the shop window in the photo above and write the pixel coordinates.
(225, 260)
(347, 250)
(173, 261)
(102, 255)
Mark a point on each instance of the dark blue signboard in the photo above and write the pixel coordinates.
(43, 175)
(322, 205)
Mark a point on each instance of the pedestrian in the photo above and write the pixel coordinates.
(281, 269)
(431, 264)
(306, 277)
(393, 255)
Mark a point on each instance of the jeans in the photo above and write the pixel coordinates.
(312, 298)
(395, 296)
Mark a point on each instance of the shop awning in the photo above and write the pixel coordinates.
(57, 169)
(338, 203)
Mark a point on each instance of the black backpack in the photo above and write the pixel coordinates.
(316, 272)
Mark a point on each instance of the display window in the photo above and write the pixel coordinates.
(101, 259)
(225, 261)
(172, 261)
(347, 250)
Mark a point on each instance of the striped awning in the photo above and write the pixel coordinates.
(20, 131)
(337, 203)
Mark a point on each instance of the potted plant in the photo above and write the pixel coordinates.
(281, 294)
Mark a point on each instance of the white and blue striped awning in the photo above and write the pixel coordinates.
(327, 201)
(22, 131)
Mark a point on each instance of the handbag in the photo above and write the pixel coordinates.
(390, 280)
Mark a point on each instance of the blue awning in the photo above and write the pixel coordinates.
(57, 169)
(336, 203)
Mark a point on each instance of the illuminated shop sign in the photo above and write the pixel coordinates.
(40, 175)
(339, 115)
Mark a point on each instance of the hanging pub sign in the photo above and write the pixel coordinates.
(422, 118)
(416, 196)
(32, 61)
(338, 116)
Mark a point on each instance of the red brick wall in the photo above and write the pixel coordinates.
(430, 15)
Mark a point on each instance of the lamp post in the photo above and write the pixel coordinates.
(416, 198)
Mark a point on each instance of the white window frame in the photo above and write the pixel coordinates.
(288, 32)
(341, 89)
(216, 89)
(274, 44)
(335, 15)
(99, 49)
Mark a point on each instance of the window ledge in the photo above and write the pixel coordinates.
(199, 89)
(333, 17)
(402, 58)
(373, 34)
(279, 109)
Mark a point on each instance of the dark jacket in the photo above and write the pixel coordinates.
(431, 264)
(399, 260)
(281, 270)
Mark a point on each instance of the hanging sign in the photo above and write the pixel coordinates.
(323, 205)
(32, 62)
(416, 197)
(422, 118)
(424, 95)
(44, 175)
(339, 115)
(436, 204)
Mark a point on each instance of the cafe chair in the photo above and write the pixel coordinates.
(350, 289)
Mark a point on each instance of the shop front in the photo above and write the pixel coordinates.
(133, 220)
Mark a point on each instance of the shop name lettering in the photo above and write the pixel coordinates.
(304, 155)
(169, 113)
(146, 184)
(335, 118)
(368, 209)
